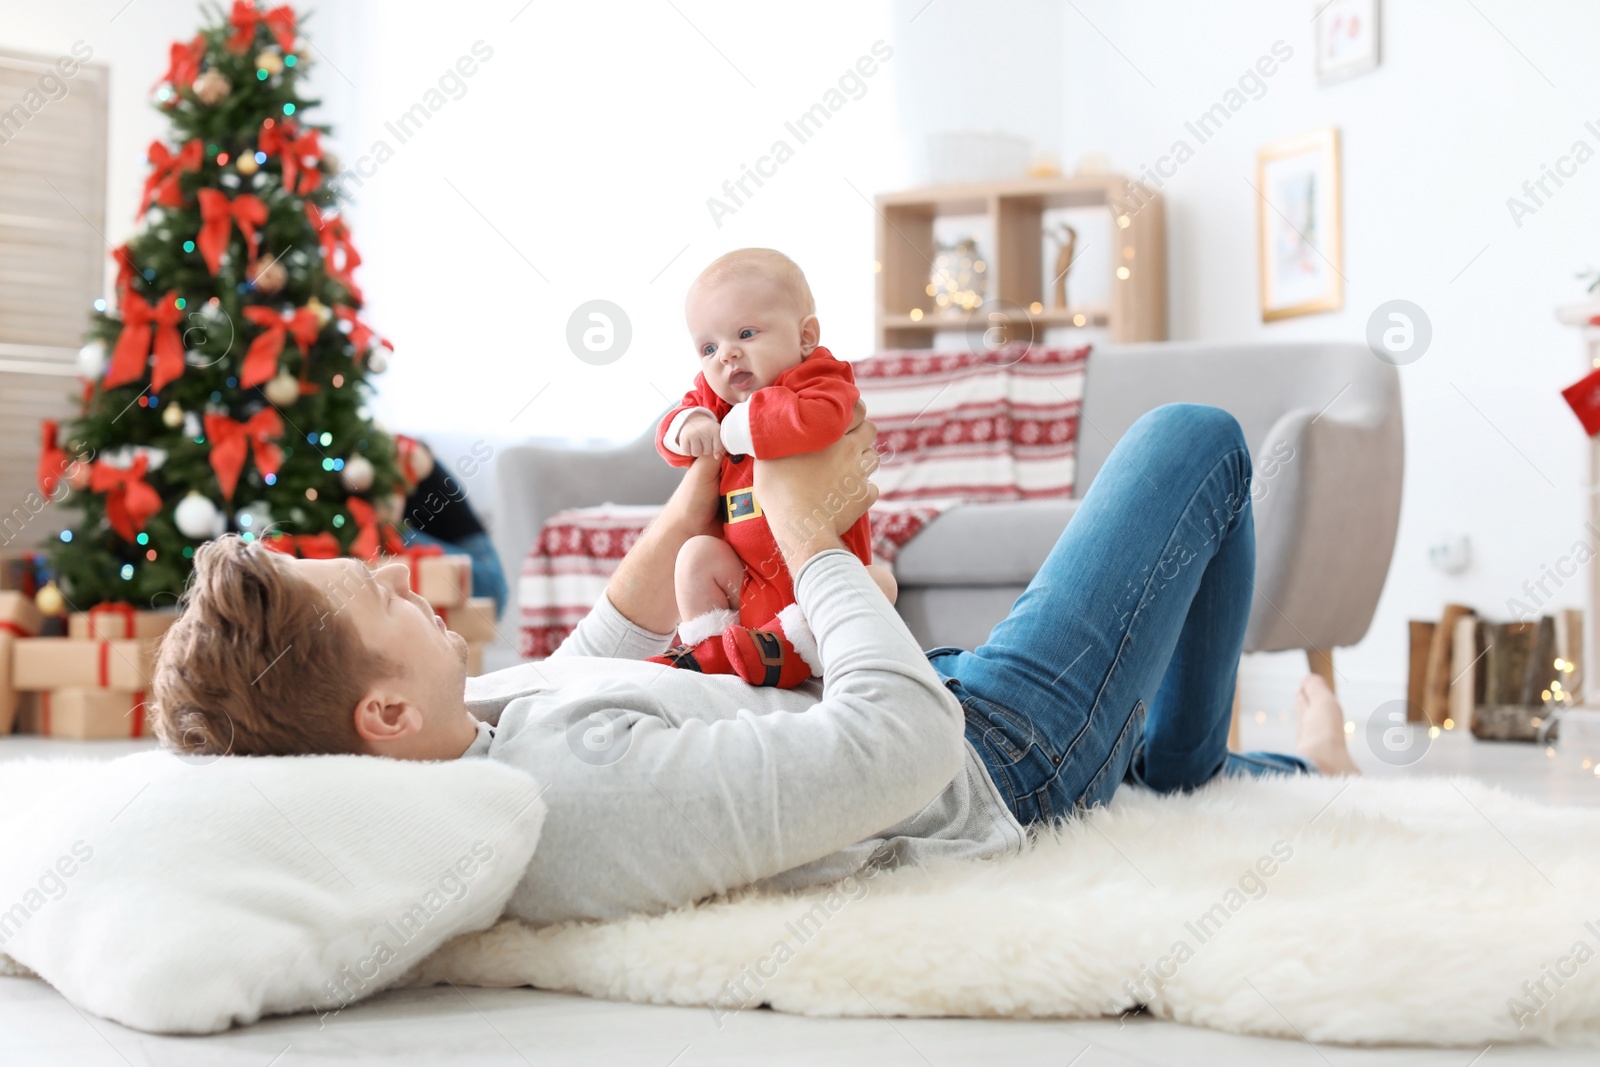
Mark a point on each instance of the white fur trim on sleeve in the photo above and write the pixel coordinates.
(798, 631)
(670, 439)
(701, 627)
(736, 432)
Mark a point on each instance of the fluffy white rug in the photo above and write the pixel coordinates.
(1345, 911)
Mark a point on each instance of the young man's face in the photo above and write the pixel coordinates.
(418, 713)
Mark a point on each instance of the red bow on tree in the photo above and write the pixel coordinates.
(297, 149)
(261, 361)
(340, 257)
(52, 460)
(125, 268)
(130, 501)
(361, 335)
(218, 215)
(231, 439)
(161, 187)
(185, 63)
(307, 546)
(246, 17)
(144, 325)
(365, 546)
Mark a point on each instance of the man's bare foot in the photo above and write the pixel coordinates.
(1320, 728)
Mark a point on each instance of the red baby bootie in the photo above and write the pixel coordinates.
(781, 654)
(702, 648)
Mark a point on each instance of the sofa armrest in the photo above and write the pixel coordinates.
(1326, 494)
(536, 480)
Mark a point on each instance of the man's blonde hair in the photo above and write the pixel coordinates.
(762, 262)
(259, 663)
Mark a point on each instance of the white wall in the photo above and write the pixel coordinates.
(576, 166)
(1434, 142)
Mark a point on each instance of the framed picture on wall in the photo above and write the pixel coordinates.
(1298, 227)
(1347, 38)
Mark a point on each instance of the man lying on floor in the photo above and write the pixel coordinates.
(667, 786)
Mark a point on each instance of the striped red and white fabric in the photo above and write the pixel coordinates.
(953, 427)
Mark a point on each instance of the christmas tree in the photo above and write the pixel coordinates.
(227, 387)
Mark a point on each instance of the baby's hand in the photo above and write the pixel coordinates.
(700, 436)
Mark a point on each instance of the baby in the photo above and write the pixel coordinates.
(765, 389)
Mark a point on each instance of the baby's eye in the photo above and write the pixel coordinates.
(746, 333)
(706, 350)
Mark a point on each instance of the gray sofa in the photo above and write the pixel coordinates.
(1326, 514)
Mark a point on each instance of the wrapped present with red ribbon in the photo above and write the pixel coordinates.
(86, 714)
(443, 579)
(473, 620)
(41, 663)
(118, 622)
(19, 616)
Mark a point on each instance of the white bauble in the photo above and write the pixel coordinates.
(357, 474)
(92, 360)
(253, 518)
(196, 516)
(282, 390)
(377, 363)
(191, 425)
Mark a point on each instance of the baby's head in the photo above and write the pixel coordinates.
(752, 317)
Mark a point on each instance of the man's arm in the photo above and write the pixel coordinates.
(811, 499)
(636, 616)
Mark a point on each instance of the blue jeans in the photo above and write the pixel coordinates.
(488, 578)
(1118, 661)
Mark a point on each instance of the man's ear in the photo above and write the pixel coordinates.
(382, 717)
(810, 334)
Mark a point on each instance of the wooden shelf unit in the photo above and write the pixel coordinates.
(907, 316)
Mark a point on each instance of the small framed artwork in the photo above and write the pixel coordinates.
(1298, 227)
(1347, 38)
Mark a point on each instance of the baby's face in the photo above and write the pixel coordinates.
(746, 331)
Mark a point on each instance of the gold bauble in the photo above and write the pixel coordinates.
(49, 600)
(282, 390)
(211, 87)
(172, 416)
(246, 163)
(319, 309)
(271, 62)
(271, 276)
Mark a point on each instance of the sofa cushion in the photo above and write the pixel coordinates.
(984, 544)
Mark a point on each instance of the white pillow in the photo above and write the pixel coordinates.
(186, 896)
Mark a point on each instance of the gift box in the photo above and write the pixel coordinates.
(40, 663)
(445, 581)
(10, 698)
(474, 658)
(19, 617)
(474, 620)
(23, 712)
(85, 714)
(118, 622)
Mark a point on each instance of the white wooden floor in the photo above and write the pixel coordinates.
(444, 1025)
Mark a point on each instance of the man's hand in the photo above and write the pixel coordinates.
(701, 436)
(694, 507)
(810, 500)
(641, 586)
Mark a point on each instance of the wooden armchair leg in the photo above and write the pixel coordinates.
(1321, 661)
(1233, 726)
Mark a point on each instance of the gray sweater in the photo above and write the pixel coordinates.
(666, 786)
